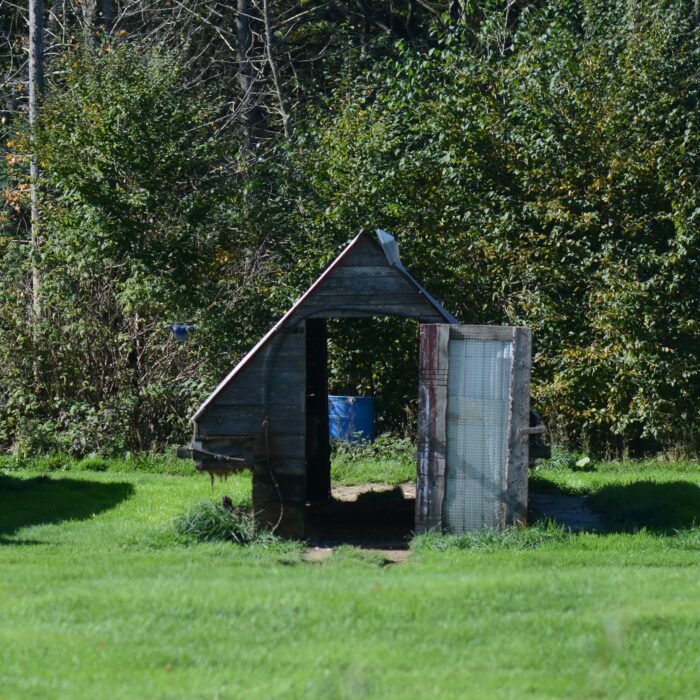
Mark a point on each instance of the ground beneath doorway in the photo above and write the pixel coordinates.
(370, 516)
(381, 517)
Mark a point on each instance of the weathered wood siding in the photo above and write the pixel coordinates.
(432, 426)
(365, 285)
(519, 422)
(260, 417)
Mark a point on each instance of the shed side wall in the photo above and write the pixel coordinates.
(261, 418)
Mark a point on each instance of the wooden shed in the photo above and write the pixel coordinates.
(271, 411)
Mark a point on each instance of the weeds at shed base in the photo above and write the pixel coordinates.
(490, 540)
(221, 522)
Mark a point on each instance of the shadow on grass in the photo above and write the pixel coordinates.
(42, 500)
(395, 494)
(659, 507)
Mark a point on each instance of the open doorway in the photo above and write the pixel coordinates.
(362, 493)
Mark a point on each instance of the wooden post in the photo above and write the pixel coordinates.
(432, 426)
(518, 425)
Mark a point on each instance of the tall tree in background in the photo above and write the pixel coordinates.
(105, 14)
(250, 110)
(484, 133)
(271, 53)
(36, 92)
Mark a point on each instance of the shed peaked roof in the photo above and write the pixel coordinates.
(366, 279)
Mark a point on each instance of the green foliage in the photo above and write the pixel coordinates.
(548, 184)
(136, 235)
(386, 446)
(129, 463)
(44, 464)
(667, 507)
(538, 171)
(563, 459)
(92, 464)
(659, 496)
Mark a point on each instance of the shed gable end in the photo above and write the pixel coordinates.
(363, 284)
(365, 280)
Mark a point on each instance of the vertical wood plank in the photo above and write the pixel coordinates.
(318, 449)
(432, 426)
(515, 511)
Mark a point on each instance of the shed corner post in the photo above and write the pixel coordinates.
(432, 426)
(516, 485)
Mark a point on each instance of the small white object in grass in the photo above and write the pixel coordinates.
(584, 461)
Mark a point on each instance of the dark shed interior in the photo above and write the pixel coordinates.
(271, 411)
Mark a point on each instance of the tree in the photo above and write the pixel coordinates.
(548, 186)
(36, 92)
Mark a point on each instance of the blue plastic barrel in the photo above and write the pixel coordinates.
(181, 330)
(351, 418)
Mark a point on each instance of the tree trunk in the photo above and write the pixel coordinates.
(105, 15)
(250, 109)
(276, 79)
(36, 92)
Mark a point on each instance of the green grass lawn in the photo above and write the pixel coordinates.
(387, 460)
(98, 601)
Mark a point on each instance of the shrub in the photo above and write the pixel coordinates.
(550, 187)
(563, 460)
(385, 446)
(92, 463)
(48, 463)
(135, 207)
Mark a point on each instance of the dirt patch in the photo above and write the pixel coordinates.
(352, 493)
(394, 556)
(317, 555)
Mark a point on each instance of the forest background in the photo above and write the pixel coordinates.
(202, 161)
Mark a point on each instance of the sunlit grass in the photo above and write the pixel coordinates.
(387, 460)
(99, 598)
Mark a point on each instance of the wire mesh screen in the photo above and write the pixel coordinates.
(477, 426)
